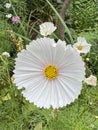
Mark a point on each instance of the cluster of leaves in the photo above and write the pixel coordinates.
(17, 113)
(84, 14)
(20, 7)
(41, 7)
(83, 19)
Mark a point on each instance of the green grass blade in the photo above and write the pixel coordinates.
(62, 21)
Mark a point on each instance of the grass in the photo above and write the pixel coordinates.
(18, 114)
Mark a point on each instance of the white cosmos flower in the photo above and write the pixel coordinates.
(82, 46)
(47, 28)
(51, 73)
(6, 54)
(91, 80)
(8, 15)
(8, 5)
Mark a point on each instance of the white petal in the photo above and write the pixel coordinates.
(81, 40)
(29, 73)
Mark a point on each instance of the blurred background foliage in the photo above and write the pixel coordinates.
(84, 14)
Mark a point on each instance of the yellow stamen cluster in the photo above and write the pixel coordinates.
(79, 47)
(47, 32)
(51, 72)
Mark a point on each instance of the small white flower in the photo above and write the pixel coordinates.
(91, 80)
(82, 46)
(6, 54)
(8, 15)
(51, 75)
(92, 126)
(8, 5)
(47, 28)
(87, 59)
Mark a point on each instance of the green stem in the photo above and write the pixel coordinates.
(54, 120)
(55, 36)
(22, 37)
(62, 21)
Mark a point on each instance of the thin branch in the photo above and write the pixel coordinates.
(62, 21)
(62, 14)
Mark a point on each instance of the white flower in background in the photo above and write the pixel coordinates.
(6, 54)
(87, 59)
(82, 46)
(92, 126)
(8, 15)
(8, 5)
(58, 1)
(51, 73)
(91, 80)
(47, 28)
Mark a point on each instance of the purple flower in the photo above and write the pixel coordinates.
(15, 19)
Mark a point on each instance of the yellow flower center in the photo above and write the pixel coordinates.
(80, 47)
(47, 32)
(51, 72)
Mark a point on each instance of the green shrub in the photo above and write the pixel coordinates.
(84, 14)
